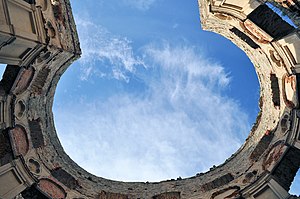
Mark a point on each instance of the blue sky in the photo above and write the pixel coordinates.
(153, 96)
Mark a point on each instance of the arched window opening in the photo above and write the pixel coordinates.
(8, 75)
(270, 21)
(279, 11)
(30, 1)
(283, 10)
(295, 187)
(2, 69)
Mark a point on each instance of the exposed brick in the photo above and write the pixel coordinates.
(54, 52)
(36, 134)
(262, 145)
(274, 154)
(284, 123)
(40, 80)
(20, 139)
(221, 181)
(234, 192)
(57, 12)
(168, 195)
(24, 80)
(52, 189)
(249, 176)
(65, 178)
(108, 195)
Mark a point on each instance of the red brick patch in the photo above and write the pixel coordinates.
(168, 195)
(274, 154)
(24, 81)
(20, 139)
(54, 190)
(108, 195)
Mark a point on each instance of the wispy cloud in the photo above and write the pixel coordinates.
(100, 46)
(176, 25)
(140, 4)
(181, 125)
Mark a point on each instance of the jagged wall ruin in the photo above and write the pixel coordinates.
(40, 47)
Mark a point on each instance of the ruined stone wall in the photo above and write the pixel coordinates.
(33, 163)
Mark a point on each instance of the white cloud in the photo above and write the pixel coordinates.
(186, 60)
(140, 4)
(99, 45)
(176, 25)
(180, 126)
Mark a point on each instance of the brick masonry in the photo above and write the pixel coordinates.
(268, 156)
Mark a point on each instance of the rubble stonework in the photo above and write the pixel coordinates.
(33, 163)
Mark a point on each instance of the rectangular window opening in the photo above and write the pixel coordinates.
(281, 13)
(275, 90)
(270, 21)
(244, 37)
